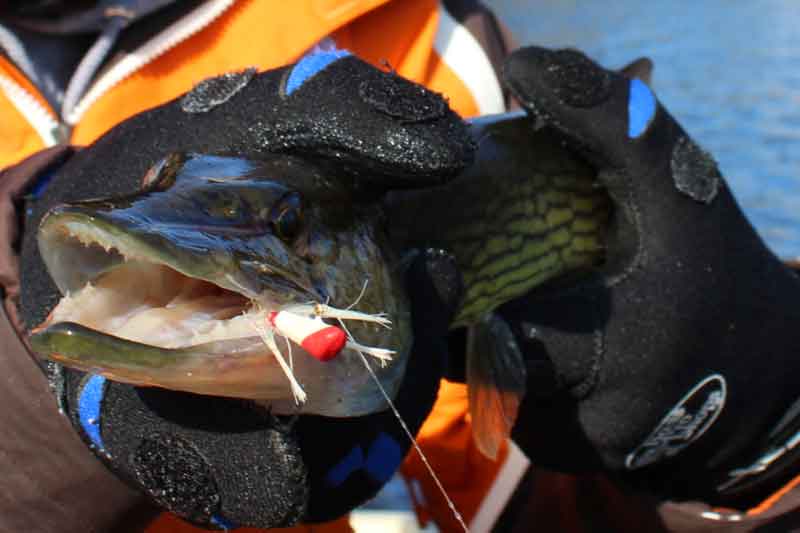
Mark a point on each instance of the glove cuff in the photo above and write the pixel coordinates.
(766, 472)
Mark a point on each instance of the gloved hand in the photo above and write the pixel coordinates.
(675, 365)
(221, 462)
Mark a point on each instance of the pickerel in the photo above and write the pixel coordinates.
(171, 286)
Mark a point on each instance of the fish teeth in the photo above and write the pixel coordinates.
(89, 236)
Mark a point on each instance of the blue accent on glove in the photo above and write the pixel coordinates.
(341, 471)
(641, 108)
(381, 462)
(89, 401)
(383, 458)
(42, 182)
(310, 65)
(222, 523)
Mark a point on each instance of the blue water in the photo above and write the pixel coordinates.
(728, 70)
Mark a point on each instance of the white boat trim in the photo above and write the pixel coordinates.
(503, 487)
(464, 55)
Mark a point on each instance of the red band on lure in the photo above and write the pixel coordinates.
(322, 341)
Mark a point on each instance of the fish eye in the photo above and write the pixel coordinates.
(287, 216)
(163, 174)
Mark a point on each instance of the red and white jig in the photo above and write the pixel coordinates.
(320, 340)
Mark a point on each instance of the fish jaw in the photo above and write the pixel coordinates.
(79, 244)
(153, 302)
(237, 367)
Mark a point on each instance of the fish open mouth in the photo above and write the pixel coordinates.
(206, 281)
(112, 284)
(135, 316)
(156, 305)
(134, 313)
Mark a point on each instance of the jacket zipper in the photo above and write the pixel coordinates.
(43, 120)
(46, 123)
(170, 37)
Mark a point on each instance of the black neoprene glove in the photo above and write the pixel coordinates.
(676, 365)
(223, 462)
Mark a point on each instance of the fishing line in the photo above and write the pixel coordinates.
(361, 295)
(410, 435)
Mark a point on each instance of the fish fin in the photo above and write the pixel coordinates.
(496, 378)
(641, 68)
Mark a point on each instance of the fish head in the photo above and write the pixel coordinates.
(171, 286)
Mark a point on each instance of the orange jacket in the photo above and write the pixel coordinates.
(417, 38)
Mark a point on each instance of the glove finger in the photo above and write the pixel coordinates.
(435, 287)
(615, 120)
(213, 461)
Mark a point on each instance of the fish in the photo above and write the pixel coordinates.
(172, 286)
(163, 287)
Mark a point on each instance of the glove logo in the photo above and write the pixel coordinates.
(685, 423)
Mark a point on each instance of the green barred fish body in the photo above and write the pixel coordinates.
(527, 211)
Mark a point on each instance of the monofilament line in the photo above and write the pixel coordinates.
(360, 295)
(424, 459)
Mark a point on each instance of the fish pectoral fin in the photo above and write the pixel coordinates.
(496, 378)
